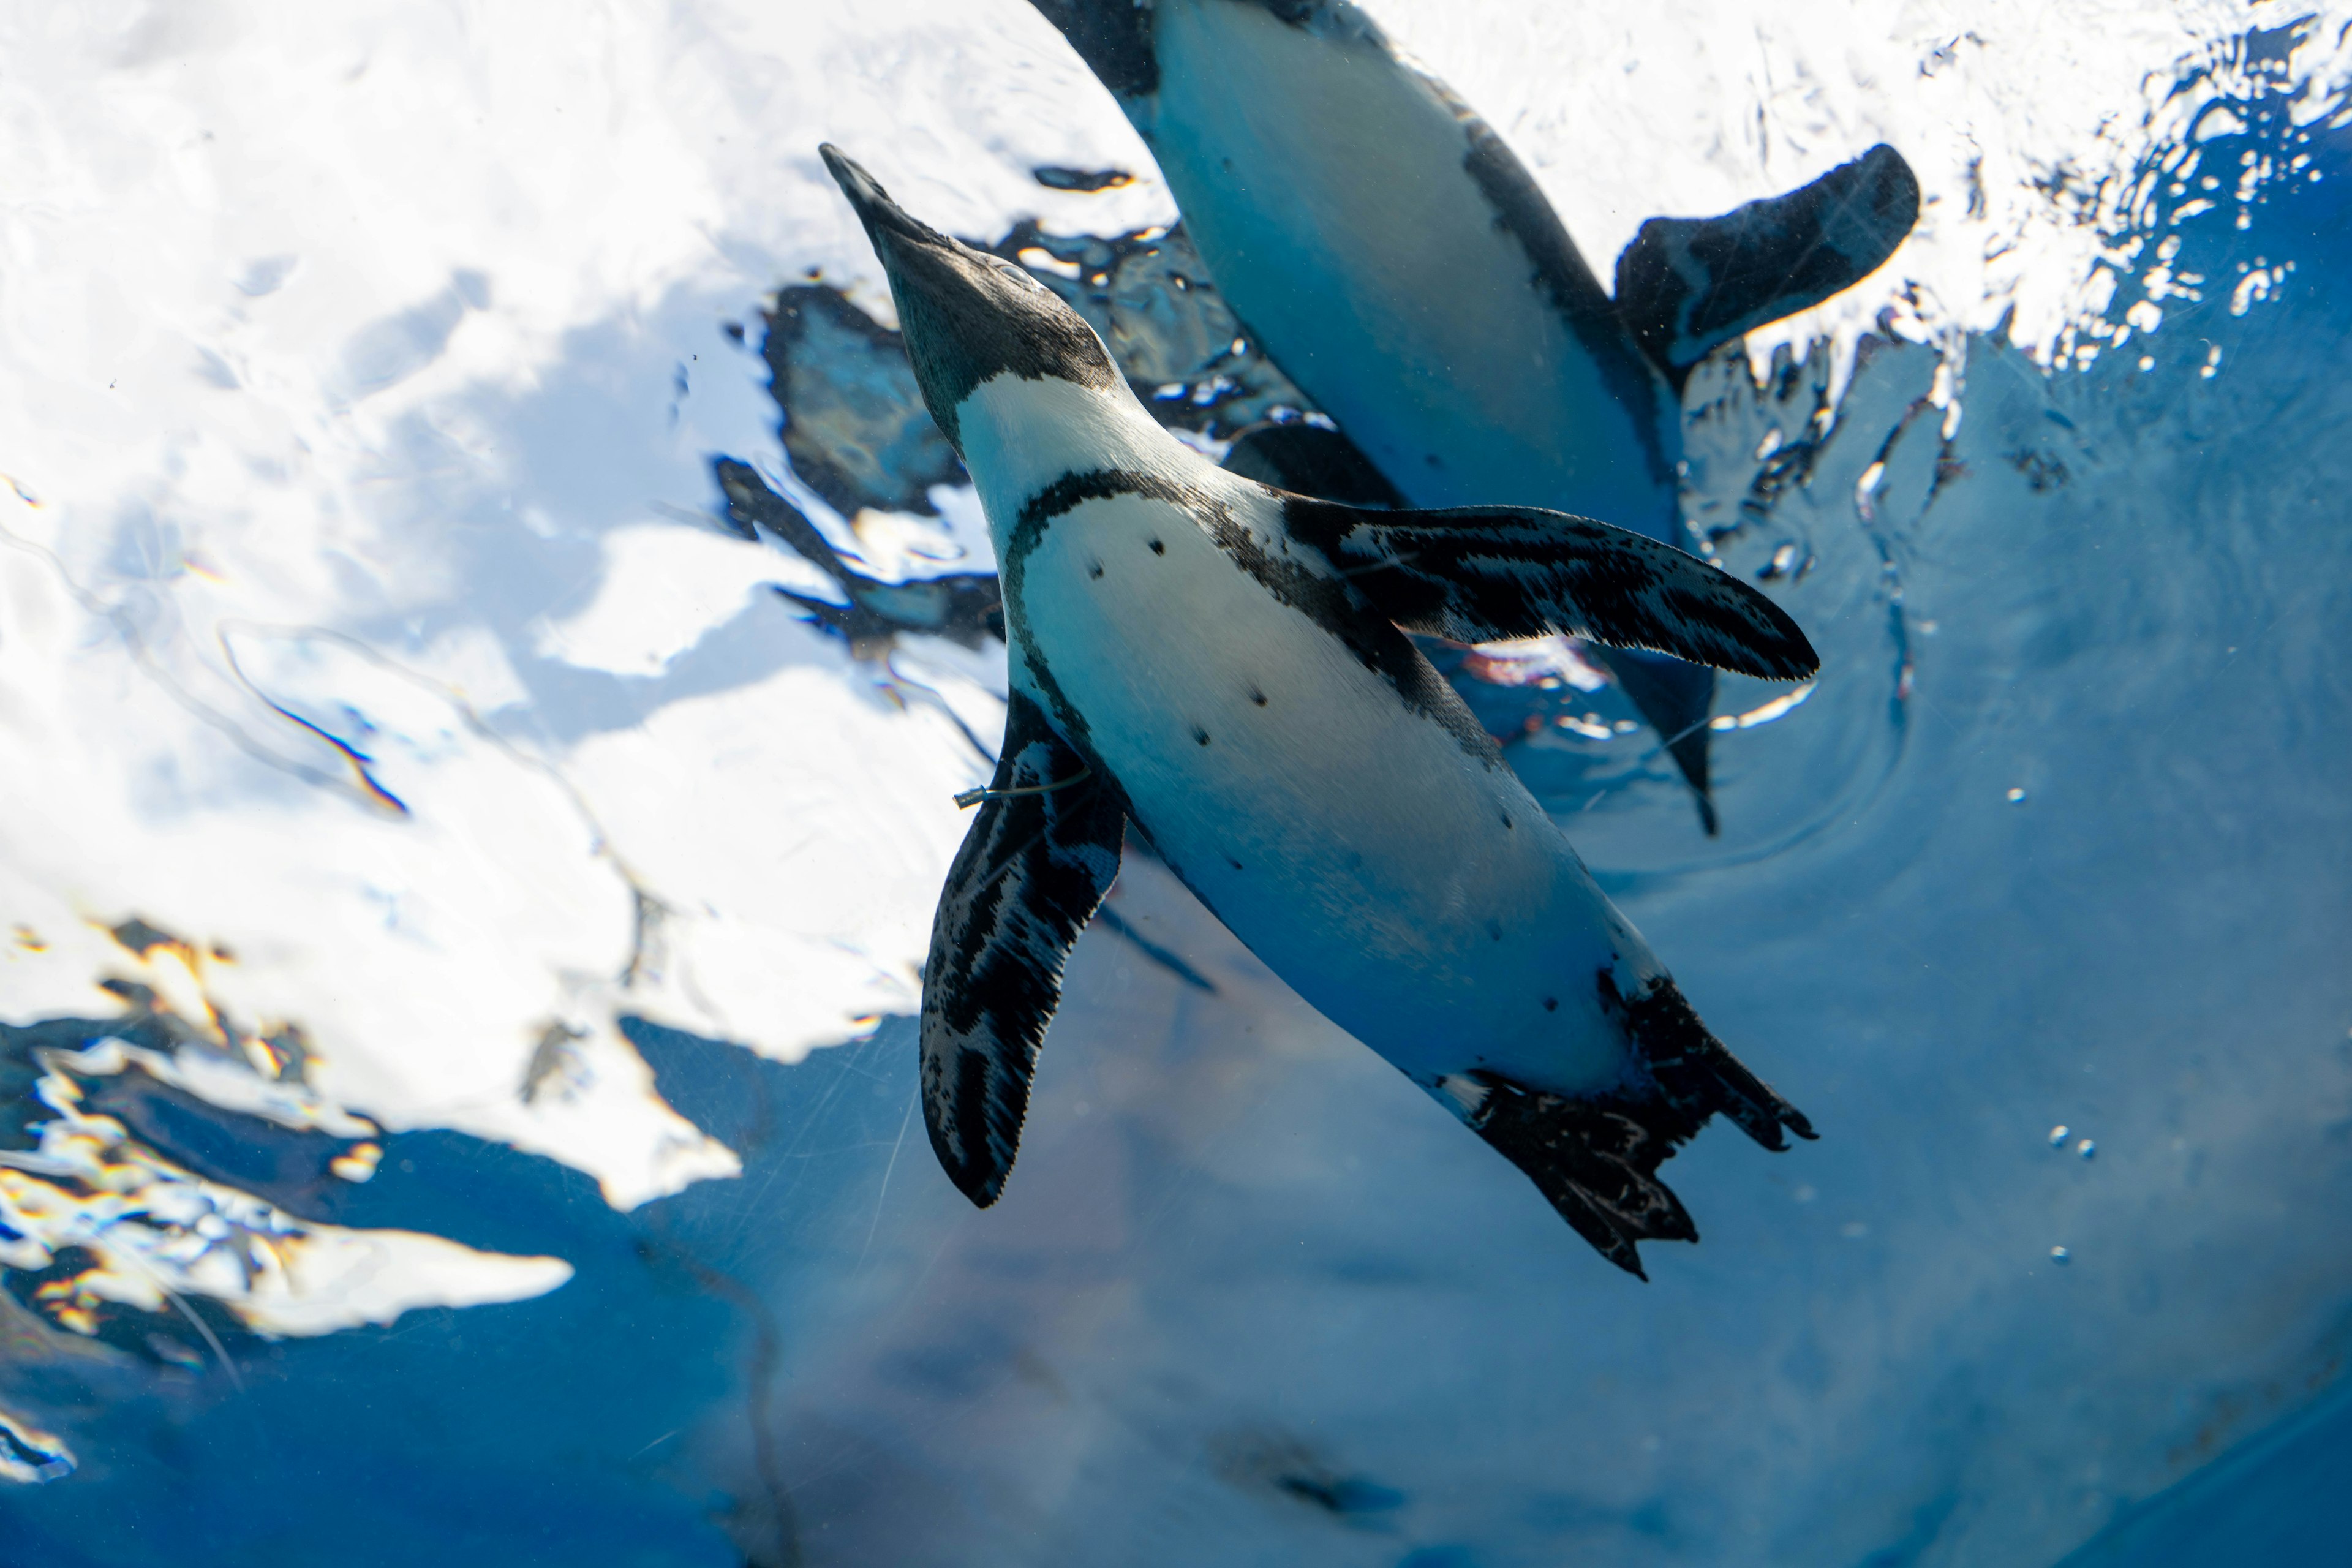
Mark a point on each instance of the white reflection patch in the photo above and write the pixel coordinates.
(114, 1224)
(29, 1454)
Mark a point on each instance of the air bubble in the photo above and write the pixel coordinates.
(2086, 1149)
(2058, 1135)
(2060, 1255)
(2015, 796)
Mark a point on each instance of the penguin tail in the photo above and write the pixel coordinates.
(1596, 1157)
(1596, 1160)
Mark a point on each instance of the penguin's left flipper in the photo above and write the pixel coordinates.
(1033, 870)
(1310, 460)
(1686, 286)
(1488, 573)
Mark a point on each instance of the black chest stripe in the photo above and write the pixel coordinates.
(1329, 601)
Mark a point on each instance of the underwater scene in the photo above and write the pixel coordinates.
(581, 681)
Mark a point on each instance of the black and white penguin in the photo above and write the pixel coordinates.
(1401, 266)
(1225, 666)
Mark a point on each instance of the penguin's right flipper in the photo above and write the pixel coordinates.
(1686, 286)
(1031, 874)
(1486, 573)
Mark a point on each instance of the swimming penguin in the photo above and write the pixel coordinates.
(1220, 664)
(1400, 264)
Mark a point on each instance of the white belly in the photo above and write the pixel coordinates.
(1325, 186)
(1413, 892)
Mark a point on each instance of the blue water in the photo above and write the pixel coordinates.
(2277, 1497)
(2060, 839)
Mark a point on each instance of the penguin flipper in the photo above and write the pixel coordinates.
(1686, 286)
(1677, 698)
(1033, 869)
(1310, 460)
(1114, 38)
(1489, 573)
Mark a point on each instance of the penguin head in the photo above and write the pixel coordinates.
(968, 317)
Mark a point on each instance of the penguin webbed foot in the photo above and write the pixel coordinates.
(1595, 1161)
(1697, 1076)
(1596, 1157)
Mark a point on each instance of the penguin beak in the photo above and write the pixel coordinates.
(965, 315)
(884, 219)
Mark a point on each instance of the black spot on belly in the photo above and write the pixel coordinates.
(1494, 930)
(1257, 696)
(1551, 1003)
(1199, 735)
(1095, 570)
(1157, 548)
(1507, 821)
(1326, 600)
(1233, 863)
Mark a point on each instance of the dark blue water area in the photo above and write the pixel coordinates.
(2281, 1497)
(579, 1422)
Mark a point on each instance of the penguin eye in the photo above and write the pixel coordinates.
(1013, 270)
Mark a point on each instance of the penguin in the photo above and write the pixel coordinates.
(1222, 669)
(1393, 257)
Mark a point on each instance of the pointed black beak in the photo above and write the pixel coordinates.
(872, 204)
(964, 315)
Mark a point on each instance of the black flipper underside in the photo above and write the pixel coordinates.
(1311, 460)
(1677, 698)
(1686, 286)
(963, 605)
(1030, 875)
(1487, 573)
(1596, 1159)
(1114, 38)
